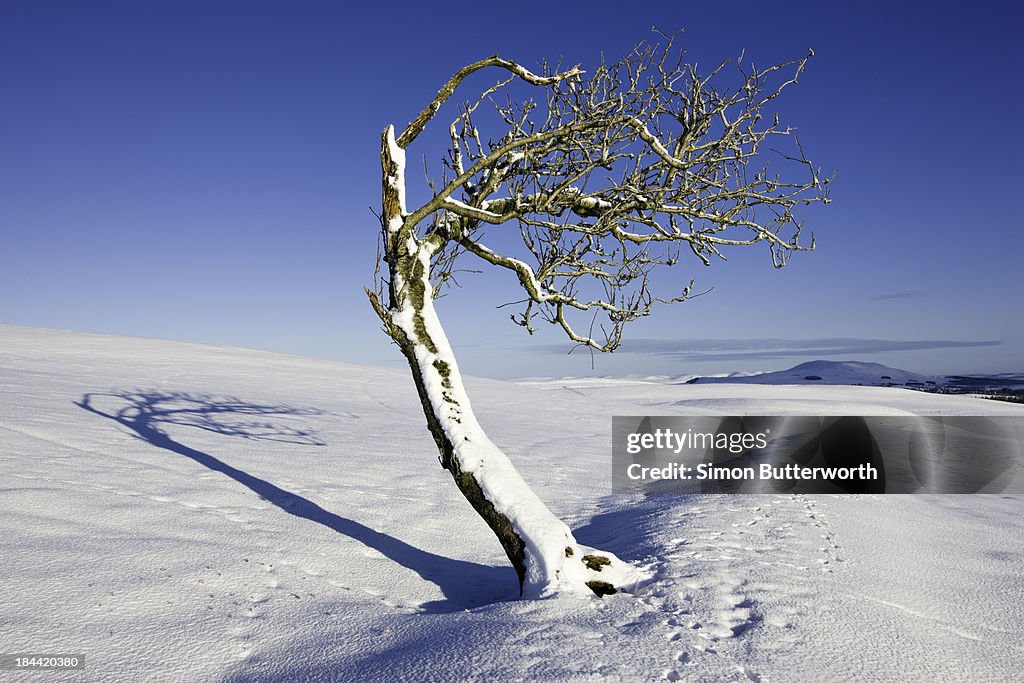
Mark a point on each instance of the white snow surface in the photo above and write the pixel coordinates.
(179, 512)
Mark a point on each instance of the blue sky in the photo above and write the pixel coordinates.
(204, 172)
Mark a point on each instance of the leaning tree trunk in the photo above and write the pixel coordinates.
(541, 547)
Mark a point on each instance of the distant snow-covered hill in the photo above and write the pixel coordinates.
(830, 372)
(858, 373)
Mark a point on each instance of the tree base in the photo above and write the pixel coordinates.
(587, 571)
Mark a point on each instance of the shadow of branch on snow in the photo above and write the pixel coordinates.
(146, 414)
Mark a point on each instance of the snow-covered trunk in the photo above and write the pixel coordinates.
(540, 546)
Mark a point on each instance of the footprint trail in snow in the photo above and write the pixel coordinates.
(735, 582)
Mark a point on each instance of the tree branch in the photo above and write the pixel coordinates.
(612, 177)
(417, 125)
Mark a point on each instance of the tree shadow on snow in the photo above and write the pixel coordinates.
(630, 529)
(147, 413)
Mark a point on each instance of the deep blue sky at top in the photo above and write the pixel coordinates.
(204, 171)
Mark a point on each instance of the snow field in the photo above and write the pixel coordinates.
(320, 540)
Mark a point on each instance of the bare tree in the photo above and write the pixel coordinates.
(607, 177)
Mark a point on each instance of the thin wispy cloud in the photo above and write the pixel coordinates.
(907, 294)
(752, 349)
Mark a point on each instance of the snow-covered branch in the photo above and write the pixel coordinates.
(417, 125)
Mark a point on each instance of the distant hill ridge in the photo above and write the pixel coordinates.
(850, 372)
